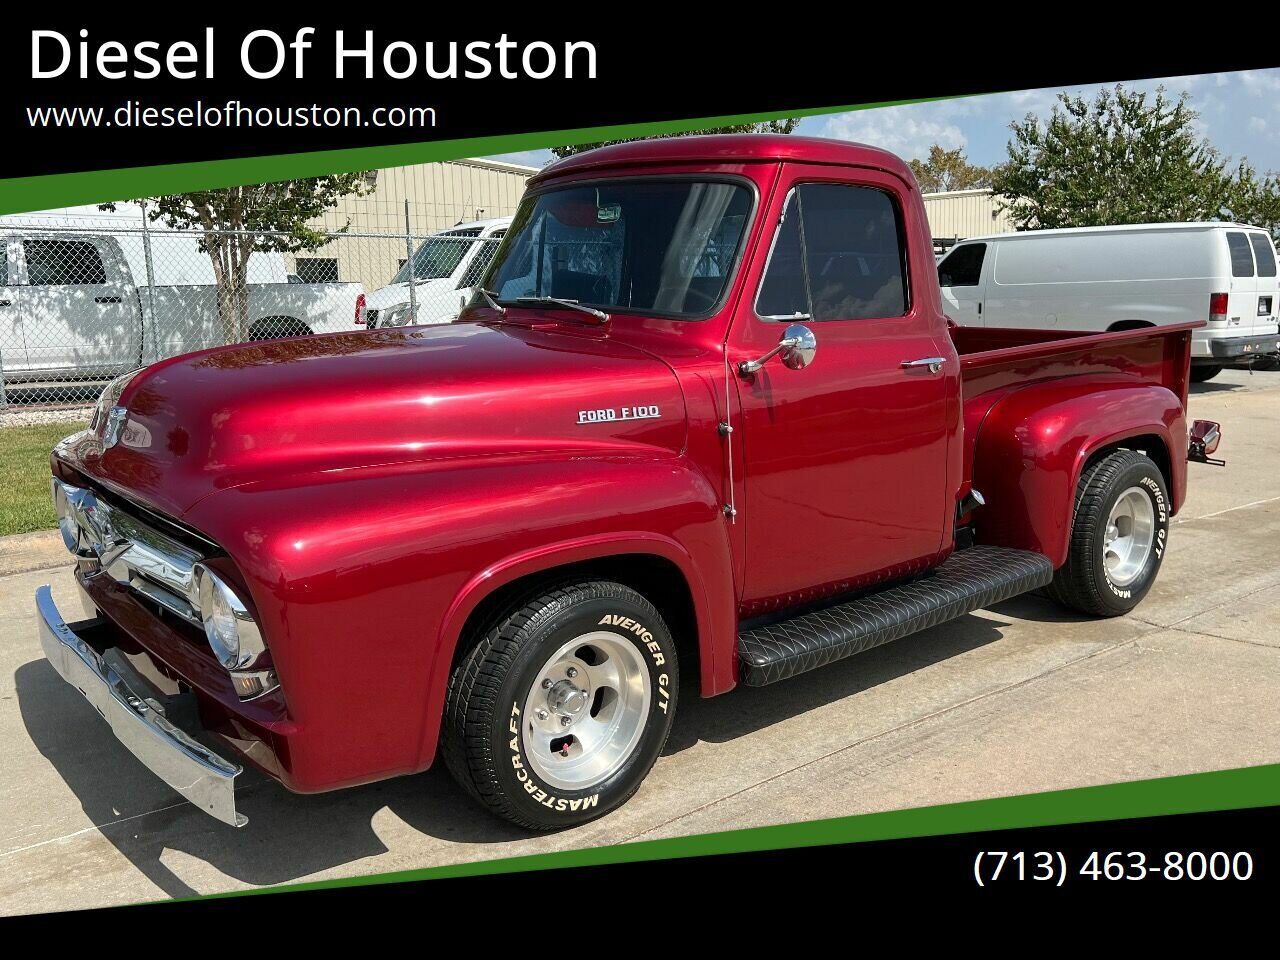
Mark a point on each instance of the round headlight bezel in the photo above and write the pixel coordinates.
(229, 627)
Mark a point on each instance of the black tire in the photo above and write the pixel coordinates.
(483, 740)
(1201, 372)
(1082, 583)
(277, 328)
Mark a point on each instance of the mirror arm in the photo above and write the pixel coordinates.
(748, 367)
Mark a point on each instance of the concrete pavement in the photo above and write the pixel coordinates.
(1020, 698)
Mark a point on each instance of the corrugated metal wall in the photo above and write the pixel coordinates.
(964, 213)
(439, 194)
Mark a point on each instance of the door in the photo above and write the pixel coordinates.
(960, 276)
(80, 312)
(844, 460)
(1267, 303)
(13, 348)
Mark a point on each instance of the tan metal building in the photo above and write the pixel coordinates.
(957, 214)
(439, 194)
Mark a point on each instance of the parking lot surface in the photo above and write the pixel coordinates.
(1020, 698)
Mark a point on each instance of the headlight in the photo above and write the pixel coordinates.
(67, 524)
(230, 629)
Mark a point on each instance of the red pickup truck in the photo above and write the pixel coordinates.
(706, 415)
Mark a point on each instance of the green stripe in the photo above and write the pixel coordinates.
(1194, 793)
(22, 194)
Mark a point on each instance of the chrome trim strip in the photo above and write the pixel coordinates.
(189, 767)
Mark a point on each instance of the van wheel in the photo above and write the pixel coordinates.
(1118, 537)
(1202, 372)
(561, 709)
(276, 328)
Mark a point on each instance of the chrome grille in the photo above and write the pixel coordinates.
(128, 550)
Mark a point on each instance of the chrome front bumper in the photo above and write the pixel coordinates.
(189, 767)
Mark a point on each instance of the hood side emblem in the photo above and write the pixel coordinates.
(611, 414)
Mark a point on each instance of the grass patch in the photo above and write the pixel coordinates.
(24, 475)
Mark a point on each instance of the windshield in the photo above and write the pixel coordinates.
(655, 246)
(438, 256)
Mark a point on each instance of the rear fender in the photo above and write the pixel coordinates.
(1033, 445)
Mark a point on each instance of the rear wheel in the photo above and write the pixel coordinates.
(1118, 536)
(1204, 371)
(561, 709)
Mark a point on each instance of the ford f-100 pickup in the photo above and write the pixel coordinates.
(705, 414)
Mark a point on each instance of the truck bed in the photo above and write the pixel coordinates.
(997, 358)
(995, 362)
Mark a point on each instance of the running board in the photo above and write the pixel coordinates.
(969, 579)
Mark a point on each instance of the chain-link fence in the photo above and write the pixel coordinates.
(81, 305)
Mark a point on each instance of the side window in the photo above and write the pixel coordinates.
(317, 269)
(854, 256)
(838, 255)
(1264, 253)
(58, 262)
(1241, 254)
(479, 264)
(963, 267)
(783, 292)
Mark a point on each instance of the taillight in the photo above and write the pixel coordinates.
(1217, 306)
(360, 309)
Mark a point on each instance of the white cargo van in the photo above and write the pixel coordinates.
(446, 268)
(1117, 278)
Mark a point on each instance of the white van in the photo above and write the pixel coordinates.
(446, 268)
(1118, 278)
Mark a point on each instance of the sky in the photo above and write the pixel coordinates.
(1239, 113)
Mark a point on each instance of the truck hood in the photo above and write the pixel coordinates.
(355, 401)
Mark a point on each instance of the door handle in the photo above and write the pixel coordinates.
(6, 303)
(933, 363)
(108, 299)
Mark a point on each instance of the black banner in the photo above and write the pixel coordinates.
(92, 92)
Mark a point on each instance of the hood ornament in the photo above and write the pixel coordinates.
(114, 425)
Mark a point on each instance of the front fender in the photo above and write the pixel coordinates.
(364, 579)
(1033, 444)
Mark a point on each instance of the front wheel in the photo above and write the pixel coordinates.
(1118, 536)
(560, 711)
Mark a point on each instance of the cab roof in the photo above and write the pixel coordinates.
(728, 148)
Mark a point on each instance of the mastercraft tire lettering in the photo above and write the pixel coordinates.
(560, 710)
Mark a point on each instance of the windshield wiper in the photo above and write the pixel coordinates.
(492, 301)
(600, 315)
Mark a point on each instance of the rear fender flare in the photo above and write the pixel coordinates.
(1034, 444)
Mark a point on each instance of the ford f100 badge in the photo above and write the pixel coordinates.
(622, 413)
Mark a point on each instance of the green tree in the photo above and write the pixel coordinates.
(1255, 198)
(767, 126)
(948, 170)
(237, 222)
(1121, 158)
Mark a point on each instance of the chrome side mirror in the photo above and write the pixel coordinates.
(797, 348)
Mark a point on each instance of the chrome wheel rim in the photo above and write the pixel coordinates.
(586, 711)
(1129, 536)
